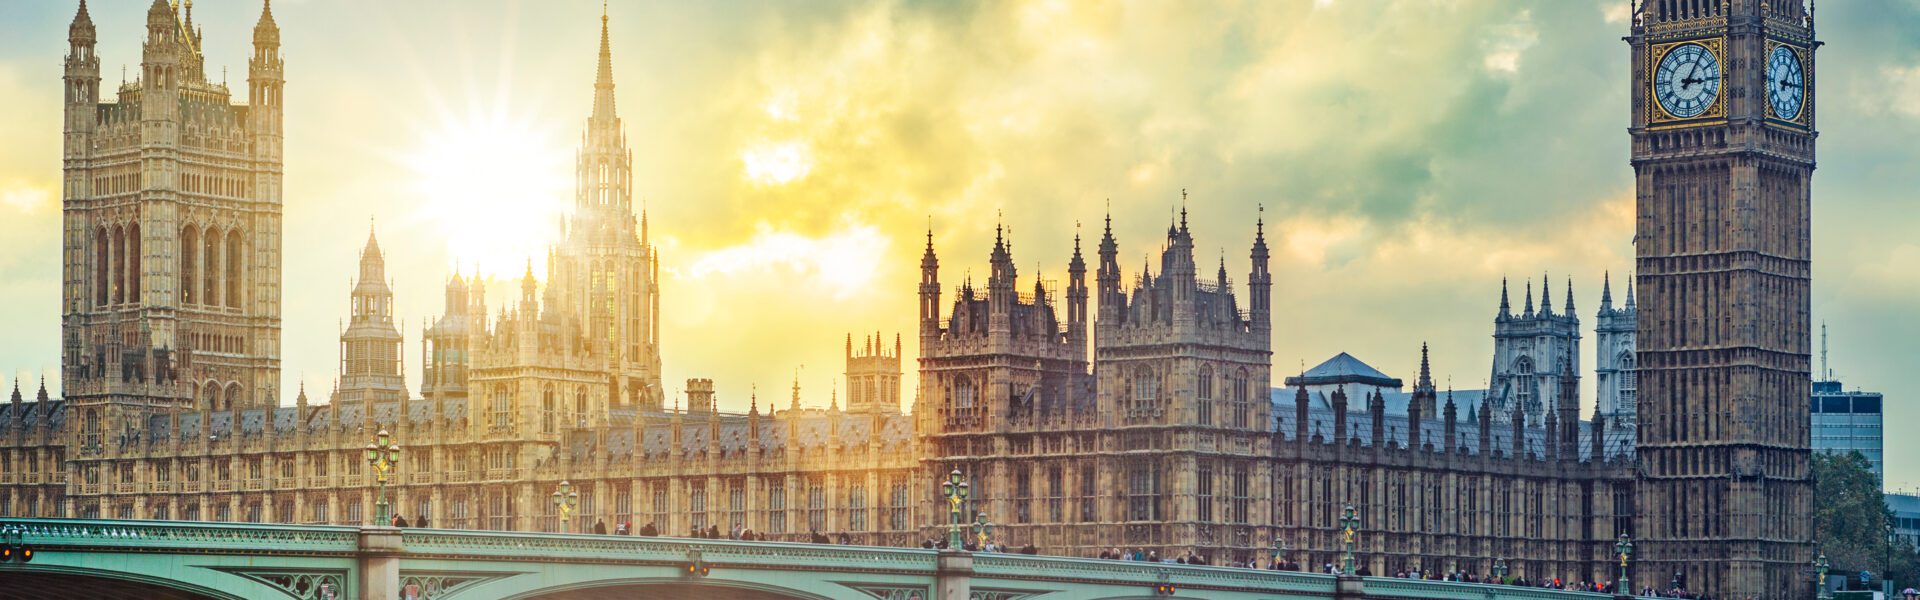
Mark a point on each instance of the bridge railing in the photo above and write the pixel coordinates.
(618, 548)
(1421, 589)
(1019, 566)
(186, 535)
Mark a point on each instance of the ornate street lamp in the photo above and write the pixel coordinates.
(1820, 566)
(1499, 570)
(1349, 524)
(982, 528)
(564, 499)
(384, 456)
(1279, 551)
(955, 489)
(1624, 549)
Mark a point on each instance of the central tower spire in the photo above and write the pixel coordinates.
(603, 78)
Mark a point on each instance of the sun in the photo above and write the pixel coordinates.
(495, 186)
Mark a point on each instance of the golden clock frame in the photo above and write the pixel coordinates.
(1657, 115)
(1806, 86)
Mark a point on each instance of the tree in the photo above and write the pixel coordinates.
(1851, 520)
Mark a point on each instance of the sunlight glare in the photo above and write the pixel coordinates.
(496, 186)
(776, 163)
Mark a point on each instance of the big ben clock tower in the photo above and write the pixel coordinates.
(1723, 153)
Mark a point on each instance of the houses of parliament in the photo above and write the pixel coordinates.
(1135, 412)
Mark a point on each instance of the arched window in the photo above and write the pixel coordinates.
(1240, 396)
(210, 268)
(101, 289)
(234, 265)
(119, 266)
(1629, 383)
(580, 407)
(499, 417)
(212, 394)
(1203, 395)
(234, 399)
(1146, 390)
(963, 393)
(189, 261)
(1523, 383)
(546, 411)
(134, 263)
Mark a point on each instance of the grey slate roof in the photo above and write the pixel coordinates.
(1343, 368)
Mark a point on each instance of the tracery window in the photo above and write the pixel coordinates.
(1146, 391)
(1203, 395)
(1241, 398)
(1523, 383)
(1143, 490)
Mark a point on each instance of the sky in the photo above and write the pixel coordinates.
(792, 155)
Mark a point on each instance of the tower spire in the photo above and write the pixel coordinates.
(1506, 309)
(1546, 296)
(603, 77)
(1606, 291)
(1529, 309)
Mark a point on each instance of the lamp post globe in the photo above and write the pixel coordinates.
(383, 456)
(564, 501)
(1624, 549)
(1349, 525)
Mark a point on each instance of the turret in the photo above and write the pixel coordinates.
(1451, 416)
(1528, 313)
(1569, 303)
(1300, 401)
(1260, 281)
(1108, 277)
(266, 79)
(1486, 426)
(1519, 440)
(929, 294)
(1425, 395)
(1598, 440)
(1377, 413)
(1340, 415)
(1000, 282)
(82, 83)
(1077, 301)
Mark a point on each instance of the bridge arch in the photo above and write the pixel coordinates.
(35, 581)
(668, 587)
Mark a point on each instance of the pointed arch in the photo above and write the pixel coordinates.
(210, 267)
(1203, 395)
(101, 252)
(234, 399)
(189, 264)
(118, 265)
(134, 262)
(235, 263)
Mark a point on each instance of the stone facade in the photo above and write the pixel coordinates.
(1618, 384)
(1723, 271)
(1122, 415)
(1529, 349)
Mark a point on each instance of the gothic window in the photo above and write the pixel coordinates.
(816, 506)
(234, 265)
(1203, 395)
(659, 505)
(898, 516)
(1523, 383)
(212, 396)
(91, 429)
(1237, 507)
(963, 393)
(1143, 490)
(546, 411)
(737, 502)
(580, 407)
(499, 417)
(210, 271)
(1056, 492)
(1022, 494)
(776, 504)
(133, 263)
(697, 504)
(1241, 396)
(857, 507)
(1146, 390)
(1205, 493)
(1629, 382)
(101, 289)
(1088, 508)
(233, 399)
(119, 266)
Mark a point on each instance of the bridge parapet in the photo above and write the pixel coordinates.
(612, 548)
(1395, 588)
(1145, 574)
(190, 536)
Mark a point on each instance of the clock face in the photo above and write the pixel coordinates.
(1687, 81)
(1785, 88)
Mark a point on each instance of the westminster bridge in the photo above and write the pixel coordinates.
(168, 560)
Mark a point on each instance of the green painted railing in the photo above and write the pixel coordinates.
(1420, 589)
(149, 536)
(551, 547)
